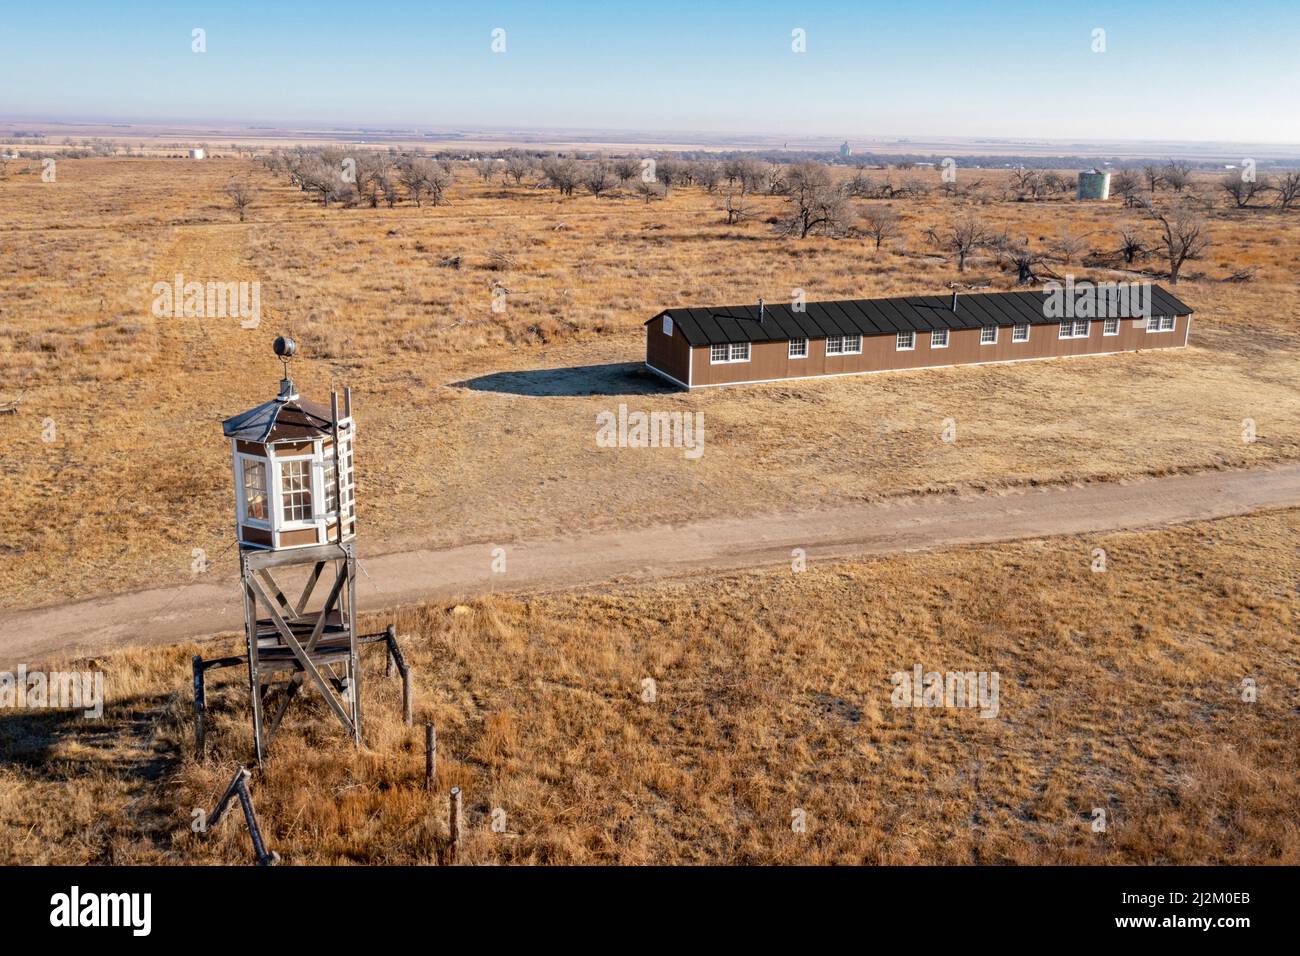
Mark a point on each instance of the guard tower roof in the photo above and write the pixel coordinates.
(281, 419)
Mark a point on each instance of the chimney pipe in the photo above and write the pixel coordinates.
(954, 300)
(760, 311)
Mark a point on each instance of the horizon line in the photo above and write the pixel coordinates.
(290, 125)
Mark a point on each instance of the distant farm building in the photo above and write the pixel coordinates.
(1094, 185)
(743, 344)
(197, 154)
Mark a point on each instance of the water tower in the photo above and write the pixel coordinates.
(1094, 184)
(295, 508)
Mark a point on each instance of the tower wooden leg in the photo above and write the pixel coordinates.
(354, 670)
(254, 677)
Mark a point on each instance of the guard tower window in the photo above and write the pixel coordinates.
(254, 489)
(295, 489)
(331, 486)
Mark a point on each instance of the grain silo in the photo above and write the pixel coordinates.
(1094, 185)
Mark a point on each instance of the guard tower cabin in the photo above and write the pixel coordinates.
(295, 507)
(295, 511)
(288, 455)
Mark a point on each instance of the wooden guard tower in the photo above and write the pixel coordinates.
(296, 508)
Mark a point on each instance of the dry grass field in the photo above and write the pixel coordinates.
(1119, 690)
(461, 437)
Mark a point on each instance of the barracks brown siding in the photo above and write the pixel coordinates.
(667, 354)
(769, 360)
(674, 348)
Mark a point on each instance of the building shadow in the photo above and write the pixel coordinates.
(63, 745)
(617, 378)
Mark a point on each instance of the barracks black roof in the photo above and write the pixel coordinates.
(920, 313)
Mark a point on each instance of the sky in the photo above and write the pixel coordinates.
(1195, 70)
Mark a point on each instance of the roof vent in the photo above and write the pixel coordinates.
(761, 311)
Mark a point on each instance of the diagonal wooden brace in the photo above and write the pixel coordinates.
(304, 658)
(274, 590)
(308, 588)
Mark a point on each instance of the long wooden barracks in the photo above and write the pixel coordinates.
(742, 344)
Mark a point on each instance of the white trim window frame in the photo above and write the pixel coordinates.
(909, 337)
(1067, 330)
(242, 488)
(1166, 323)
(1110, 327)
(938, 338)
(1081, 328)
(1153, 323)
(834, 345)
(739, 352)
(852, 345)
(668, 325)
(719, 354)
(798, 349)
(1017, 330)
(315, 490)
(988, 335)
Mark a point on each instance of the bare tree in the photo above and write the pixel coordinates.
(862, 186)
(422, 176)
(735, 207)
(1017, 254)
(962, 237)
(1126, 185)
(914, 187)
(881, 223)
(1067, 246)
(751, 175)
(1154, 176)
(669, 172)
(439, 180)
(1241, 190)
(626, 168)
(815, 204)
(708, 175)
(518, 166)
(1177, 176)
(651, 190)
(1028, 183)
(241, 197)
(562, 173)
(1055, 182)
(775, 180)
(366, 169)
(386, 183)
(323, 178)
(598, 179)
(1182, 236)
(1131, 244)
(1288, 190)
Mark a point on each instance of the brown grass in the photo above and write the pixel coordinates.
(137, 476)
(1119, 690)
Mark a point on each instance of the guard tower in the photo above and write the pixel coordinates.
(295, 508)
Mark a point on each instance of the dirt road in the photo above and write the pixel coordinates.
(908, 524)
